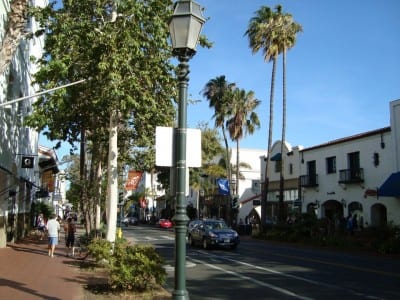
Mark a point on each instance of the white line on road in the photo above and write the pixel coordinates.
(270, 286)
(318, 283)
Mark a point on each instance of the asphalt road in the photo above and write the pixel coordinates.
(262, 270)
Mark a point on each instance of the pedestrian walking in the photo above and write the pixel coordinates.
(41, 226)
(70, 229)
(53, 228)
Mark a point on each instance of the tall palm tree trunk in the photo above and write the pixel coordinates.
(237, 167)
(270, 128)
(282, 172)
(227, 157)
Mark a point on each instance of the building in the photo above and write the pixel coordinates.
(346, 176)
(356, 175)
(19, 176)
(206, 199)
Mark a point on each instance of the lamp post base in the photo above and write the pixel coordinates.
(180, 295)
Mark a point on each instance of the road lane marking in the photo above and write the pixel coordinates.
(355, 268)
(255, 281)
(310, 281)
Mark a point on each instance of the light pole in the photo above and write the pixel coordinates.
(185, 27)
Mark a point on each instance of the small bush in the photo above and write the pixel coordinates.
(100, 250)
(129, 267)
(307, 229)
(135, 267)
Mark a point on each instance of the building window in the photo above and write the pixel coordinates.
(290, 168)
(331, 165)
(354, 160)
(312, 172)
(278, 166)
(376, 159)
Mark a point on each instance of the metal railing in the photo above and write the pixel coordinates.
(309, 180)
(351, 175)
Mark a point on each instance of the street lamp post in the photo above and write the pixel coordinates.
(185, 27)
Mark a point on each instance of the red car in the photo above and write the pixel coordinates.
(165, 223)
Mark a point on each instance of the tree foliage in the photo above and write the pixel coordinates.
(123, 55)
(125, 63)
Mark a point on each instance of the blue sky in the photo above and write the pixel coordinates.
(341, 74)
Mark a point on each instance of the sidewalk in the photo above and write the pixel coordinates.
(27, 272)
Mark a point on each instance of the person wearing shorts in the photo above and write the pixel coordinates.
(53, 227)
(70, 229)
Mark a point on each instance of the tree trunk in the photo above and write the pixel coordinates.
(227, 157)
(83, 181)
(237, 167)
(266, 178)
(112, 177)
(99, 174)
(282, 172)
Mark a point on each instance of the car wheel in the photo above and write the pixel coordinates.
(205, 244)
(191, 242)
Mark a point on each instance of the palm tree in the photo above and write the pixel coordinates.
(243, 120)
(262, 33)
(274, 33)
(286, 40)
(217, 92)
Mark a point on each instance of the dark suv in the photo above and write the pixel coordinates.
(209, 233)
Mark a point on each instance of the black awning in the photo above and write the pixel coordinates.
(391, 186)
(276, 157)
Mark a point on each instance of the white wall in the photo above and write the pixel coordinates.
(395, 125)
(328, 186)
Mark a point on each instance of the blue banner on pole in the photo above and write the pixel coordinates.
(223, 186)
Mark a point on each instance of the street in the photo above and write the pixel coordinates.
(263, 270)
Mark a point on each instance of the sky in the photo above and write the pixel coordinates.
(340, 76)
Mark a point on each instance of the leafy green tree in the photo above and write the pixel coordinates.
(243, 120)
(123, 54)
(210, 149)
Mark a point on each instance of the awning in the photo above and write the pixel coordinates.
(276, 157)
(391, 187)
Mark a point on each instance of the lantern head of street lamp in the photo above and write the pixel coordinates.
(185, 27)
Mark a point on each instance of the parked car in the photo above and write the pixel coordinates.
(193, 224)
(213, 233)
(124, 222)
(133, 221)
(165, 223)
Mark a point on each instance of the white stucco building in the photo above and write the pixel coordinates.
(359, 174)
(17, 183)
(345, 176)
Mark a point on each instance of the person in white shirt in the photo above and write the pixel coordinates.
(53, 227)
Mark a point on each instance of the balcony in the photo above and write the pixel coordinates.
(349, 176)
(309, 180)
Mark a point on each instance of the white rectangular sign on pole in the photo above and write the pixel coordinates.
(165, 140)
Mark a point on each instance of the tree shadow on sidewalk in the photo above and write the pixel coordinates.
(20, 287)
